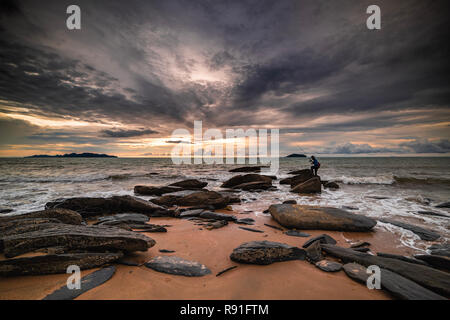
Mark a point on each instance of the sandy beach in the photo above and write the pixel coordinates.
(283, 280)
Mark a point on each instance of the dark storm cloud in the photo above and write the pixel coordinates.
(138, 61)
(425, 146)
(127, 133)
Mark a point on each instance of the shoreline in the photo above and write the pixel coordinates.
(290, 280)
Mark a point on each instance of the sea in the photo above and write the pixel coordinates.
(379, 187)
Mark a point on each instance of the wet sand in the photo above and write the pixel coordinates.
(283, 280)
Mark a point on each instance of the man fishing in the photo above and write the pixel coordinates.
(315, 165)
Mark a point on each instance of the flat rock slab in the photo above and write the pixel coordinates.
(217, 216)
(403, 258)
(88, 282)
(266, 252)
(251, 230)
(247, 169)
(126, 217)
(398, 286)
(440, 262)
(240, 180)
(424, 234)
(323, 238)
(191, 213)
(204, 198)
(443, 205)
(432, 279)
(178, 266)
(189, 184)
(440, 249)
(322, 218)
(25, 225)
(312, 185)
(76, 237)
(89, 207)
(328, 266)
(56, 263)
(295, 233)
(63, 215)
(155, 191)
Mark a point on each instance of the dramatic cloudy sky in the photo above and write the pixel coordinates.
(138, 69)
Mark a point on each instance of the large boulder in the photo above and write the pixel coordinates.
(266, 252)
(56, 263)
(155, 191)
(301, 176)
(312, 185)
(432, 279)
(204, 198)
(89, 207)
(241, 179)
(63, 215)
(190, 184)
(319, 218)
(74, 237)
(257, 185)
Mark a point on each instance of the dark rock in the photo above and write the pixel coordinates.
(432, 213)
(208, 198)
(89, 207)
(440, 249)
(328, 266)
(314, 252)
(25, 225)
(305, 172)
(217, 216)
(290, 202)
(154, 191)
(247, 169)
(253, 186)
(191, 213)
(323, 238)
(247, 178)
(51, 264)
(226, 270)
(273, 227)
(266, 252)
(320, 218)
(403, 258)
(5, 210)
(190, 184)
(177, 266)
(166, 251)
(443, 205)
(251, 230)
(440, 262)
(63, 215)
(398, 286)
(286, 180)
(378, 197)
(331, 185)
(423, 233)
(76, 237)
(362, 249)
(149, 228)
(87, 283)
(248, 221)
(295, 233)
(167, 200)
(432, 279)
(312, 185)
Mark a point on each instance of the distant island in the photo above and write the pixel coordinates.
(74, 155)
(296, 155)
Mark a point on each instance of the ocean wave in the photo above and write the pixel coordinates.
(412, 180)
(382, 179)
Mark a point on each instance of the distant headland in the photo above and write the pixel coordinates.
(74, 155)
(296, 155)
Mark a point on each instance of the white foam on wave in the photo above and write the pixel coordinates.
(387, 179)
